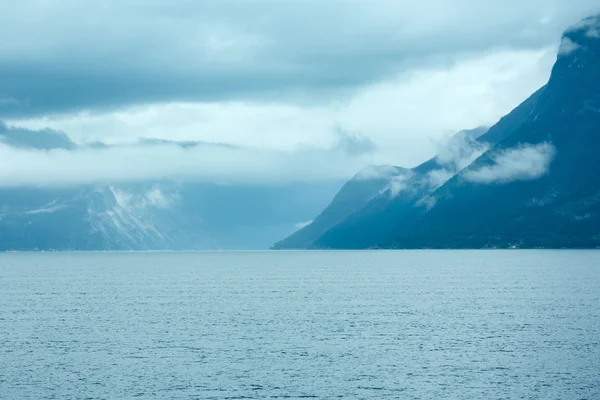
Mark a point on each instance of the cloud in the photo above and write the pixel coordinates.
(130, 163)
(355, 144)
(398, 184)
(438, 177)
(398, 121)
(428, 202)
(526, 162)
(301, 225)
(65, 56)
(236, 91)
(590, 25)
(460, 151)
(567, 46)
(157, 198)
(374, 172)
(456, 154)
(154, 197)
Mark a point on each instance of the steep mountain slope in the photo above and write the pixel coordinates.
(394, 198)
(353, 196)
(540, 186)
(506, 197)
(376, 187)
(373, 225)
(377, 221)
(370, 223)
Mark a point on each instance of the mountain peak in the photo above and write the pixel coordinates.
(581, 37)
(589, 26)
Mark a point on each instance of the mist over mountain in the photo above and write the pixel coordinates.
(156, 215)
(86, 165)
(532, 180)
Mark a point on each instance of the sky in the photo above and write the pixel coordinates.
(259, 91)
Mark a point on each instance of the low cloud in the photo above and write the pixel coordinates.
(355, 144)
(373, 172)
(130, 163)
(398, 184)
(428, 202)
(154, 198)
(301, 225)
(397, 121)
(567, 46)
(525, 162)
(158, 199)
(590, 25)
(438, 177)
(457, 154)
(461, 150)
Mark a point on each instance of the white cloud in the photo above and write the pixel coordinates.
(428, 202)
(377, 172)
(404, 118)
(590, 25)
(251, 75)
(408, 115)
(257, 125)
(526, 162)
(157, 198)
(152, 198)
(20, 167)
(438, 177)
(567, 46)
(456, 154)
(460, 151)
(398, 184)
(301, 225)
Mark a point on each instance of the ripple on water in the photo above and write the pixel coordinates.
(295, 325)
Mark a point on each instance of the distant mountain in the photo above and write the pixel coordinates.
(156, 216)
(531, 180)
(162, 215)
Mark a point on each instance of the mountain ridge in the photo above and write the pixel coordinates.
(535, 151)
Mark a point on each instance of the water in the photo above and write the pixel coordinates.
(267, 325)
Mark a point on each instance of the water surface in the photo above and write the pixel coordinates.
(325, 325)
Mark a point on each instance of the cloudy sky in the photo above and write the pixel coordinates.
(262, 90)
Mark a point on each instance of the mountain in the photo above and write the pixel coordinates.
(360, 202)
(531, 180)
(156, 215)
(539, 187)
(353, 196)
(379, 219)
